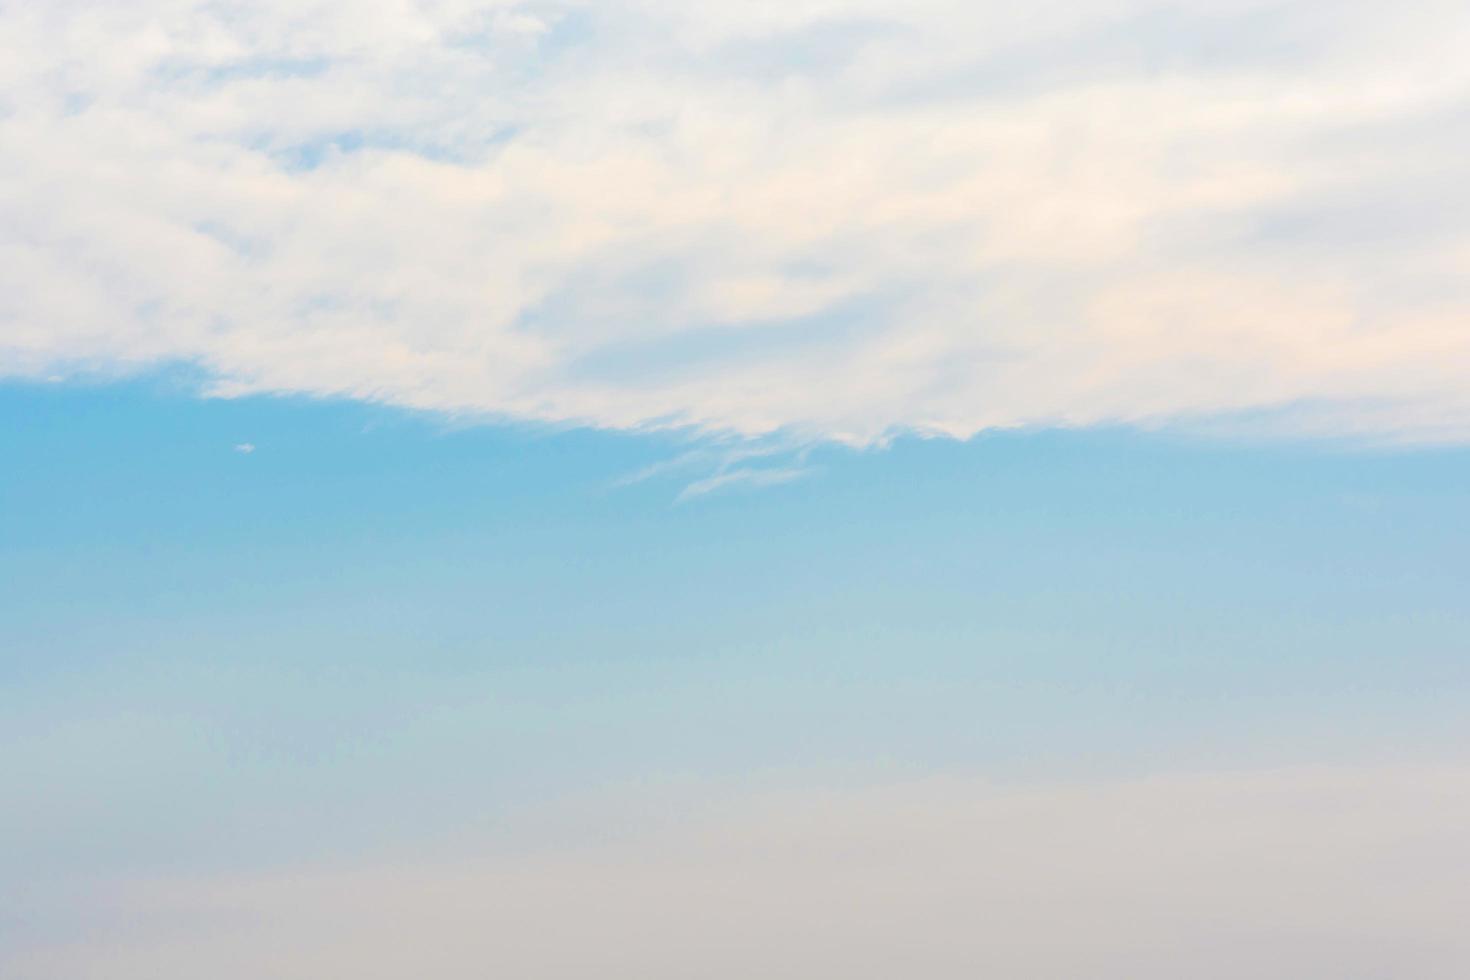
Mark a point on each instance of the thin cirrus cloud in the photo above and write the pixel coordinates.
(836, 220)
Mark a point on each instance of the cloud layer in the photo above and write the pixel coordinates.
(1274, 875)
(836, 218)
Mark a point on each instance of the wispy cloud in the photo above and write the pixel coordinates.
(682, 463)
(838, 220)
(744, 477)
(245, 448)
(716, 465)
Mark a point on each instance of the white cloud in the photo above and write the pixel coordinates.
(1272, 875)
(838, 218)
(719, 465)
(747, 476)
(245, 448)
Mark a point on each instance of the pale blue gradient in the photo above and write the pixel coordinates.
(380, 630)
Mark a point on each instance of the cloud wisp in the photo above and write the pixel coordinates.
(725, 464)
(836, 220)
(745, 476)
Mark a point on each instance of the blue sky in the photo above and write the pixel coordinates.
(382, 636)
(814, 489)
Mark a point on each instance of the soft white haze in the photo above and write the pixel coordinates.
(841, 219)
(1353, 873)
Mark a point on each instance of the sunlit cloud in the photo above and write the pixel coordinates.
(837, 221)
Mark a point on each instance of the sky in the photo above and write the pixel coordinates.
(819, 489)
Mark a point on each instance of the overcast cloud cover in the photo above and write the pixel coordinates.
(836, 218)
